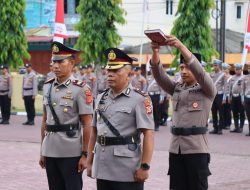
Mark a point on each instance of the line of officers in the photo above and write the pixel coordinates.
(29, 92)
(233, 96)
(98, 83)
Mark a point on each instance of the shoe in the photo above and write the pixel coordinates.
(26, 123)
(239, 130)
(248, 134)
(31, 123)
(219, 132)
(234, 130)
(213, 132)
(5, 122)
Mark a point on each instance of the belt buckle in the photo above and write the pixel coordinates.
(103, 140)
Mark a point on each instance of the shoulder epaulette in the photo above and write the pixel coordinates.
(49, 81)
(79, 83)
(140, 92)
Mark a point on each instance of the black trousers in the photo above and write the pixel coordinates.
(29, 107)
(5, 103)
(115, 185)
(156, 109)
(217, 108)
(238, 112)
(62, 173)
(189, 171)
(247, 108)
(164, 110)
(227, 113)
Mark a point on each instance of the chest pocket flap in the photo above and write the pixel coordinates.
(66, 103)
(195, 102)
(123, 109)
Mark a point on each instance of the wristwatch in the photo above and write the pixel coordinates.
(84, 153)
(145, 166)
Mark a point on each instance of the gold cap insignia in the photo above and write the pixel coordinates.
(55, 49)
(111, 55)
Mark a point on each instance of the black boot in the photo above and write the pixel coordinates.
(248, 134)
(214, 131)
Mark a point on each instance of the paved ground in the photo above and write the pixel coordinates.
(19, 150)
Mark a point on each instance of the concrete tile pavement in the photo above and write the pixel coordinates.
(19, 169)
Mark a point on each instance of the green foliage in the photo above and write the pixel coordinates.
(13, 43)
(97, 28)
(193, 29)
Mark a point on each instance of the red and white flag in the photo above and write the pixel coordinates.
(60, 31)
(247, 38)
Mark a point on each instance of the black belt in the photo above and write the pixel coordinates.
(106, 141)
(188, 131)
(62, 128)
(2, 91)
(28, 88)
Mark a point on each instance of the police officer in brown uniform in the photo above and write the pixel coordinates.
(122, 113)
(236, 99)
(246, 92)
(192, 101)
(218, 78)
(29, 92)
(67, 102)
(138, 81)
(5, 94)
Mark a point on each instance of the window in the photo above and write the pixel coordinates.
(238, 12)
(169, 7)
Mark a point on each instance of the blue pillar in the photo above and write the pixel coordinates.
(71, 6)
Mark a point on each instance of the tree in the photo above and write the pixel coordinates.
(97, 28)
(13, 42)
(193, 29)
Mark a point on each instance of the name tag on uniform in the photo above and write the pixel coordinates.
(67, 97)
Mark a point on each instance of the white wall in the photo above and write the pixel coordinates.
(157, 18)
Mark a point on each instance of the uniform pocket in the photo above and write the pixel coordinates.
(124, 152)
(195, 102)
(202, 177)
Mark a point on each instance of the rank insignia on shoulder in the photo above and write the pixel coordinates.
(89, 96)
(148, 106)
(79, 83)
(49, 81)
(140, 92)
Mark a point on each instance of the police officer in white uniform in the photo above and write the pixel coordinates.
(246, 92)
(192, 101)
(67, 102)
(116, 156)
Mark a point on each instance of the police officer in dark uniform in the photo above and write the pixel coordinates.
(29, 92)
(5, 94)
(116, 156)
(192, 101)
(67, 102)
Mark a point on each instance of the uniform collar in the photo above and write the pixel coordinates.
(66, 83)
(126, 91)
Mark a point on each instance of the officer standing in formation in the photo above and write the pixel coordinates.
(102, 80)
(5, 93)
(122, 113)
(91, 78)
(29, 92)
(138, 81)
(75, 72)
(82, 72)
(67, 102)
(50, 74)
(218, 78)
(246, 92)
(226, 104)
(154, 91)
(237, 98)
(192, 101)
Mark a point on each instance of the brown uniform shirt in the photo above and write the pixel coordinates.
(191, 106)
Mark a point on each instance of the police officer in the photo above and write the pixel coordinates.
(218, 78)
(116, 157)
(192, 101)
(82, 72)
(91, 79)
(226, 104)
(75, 72)
(29, 92)
(237, 98)
(138, 81)
(5, 94)
(102, 80)
(67, 102)
(50, 74)
(154, 91)
(246, 92)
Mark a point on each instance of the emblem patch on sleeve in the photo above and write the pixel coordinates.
(89, 96)
(148, 106)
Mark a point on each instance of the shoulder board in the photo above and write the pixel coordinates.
(140, 92)
(49, 81)
(79, 83)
